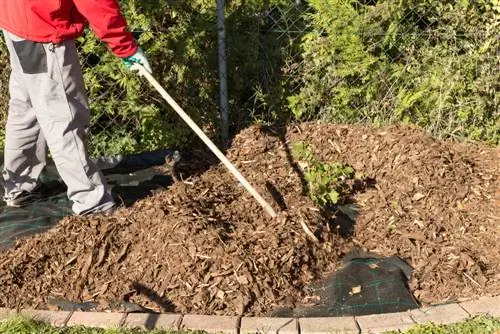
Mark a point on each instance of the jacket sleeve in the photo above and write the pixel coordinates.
(109, 25)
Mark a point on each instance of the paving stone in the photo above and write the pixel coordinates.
(268, 325)
(483, 305)
(54, 318)
(339, 325)
(380, 323)
(210, 324)
(96, 319)
(153, 320)
(6, 313)
(440, 315)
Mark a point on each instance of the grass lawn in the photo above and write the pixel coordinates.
(479, 325)
(28, 326)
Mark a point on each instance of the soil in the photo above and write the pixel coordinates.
(204, 246)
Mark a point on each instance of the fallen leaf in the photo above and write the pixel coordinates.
(220, 294)
(417, 197)
(356, 289)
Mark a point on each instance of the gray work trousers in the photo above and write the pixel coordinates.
(49, 107)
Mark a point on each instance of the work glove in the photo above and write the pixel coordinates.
(138, 57)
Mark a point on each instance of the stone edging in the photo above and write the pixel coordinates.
(377, 323)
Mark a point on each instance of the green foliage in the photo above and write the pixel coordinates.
(431, 63)
(327, 182)
(478, 325)
(336, 64)
(180, 39)
(24, 325)
(128, 115)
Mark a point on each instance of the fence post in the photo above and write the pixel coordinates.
(224, 108)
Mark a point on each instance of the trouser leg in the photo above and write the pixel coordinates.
(25, 150)
(57, 93)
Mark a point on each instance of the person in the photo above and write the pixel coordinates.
(48, 105)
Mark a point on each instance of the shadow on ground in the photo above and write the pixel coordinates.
(131, 177)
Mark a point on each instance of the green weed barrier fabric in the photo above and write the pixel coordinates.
(366, 284)
(131, 177)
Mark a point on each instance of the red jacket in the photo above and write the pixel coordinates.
(58, 20)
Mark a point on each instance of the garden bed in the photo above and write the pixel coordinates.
(204, 246)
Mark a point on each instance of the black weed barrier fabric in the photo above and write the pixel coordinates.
(131, 177)
(366, 284)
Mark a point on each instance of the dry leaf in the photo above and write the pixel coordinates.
(220, 294)
(417, 197)
(356, 289)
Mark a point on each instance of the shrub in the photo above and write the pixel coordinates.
(180, 39)
(431, 63)
(328, 183)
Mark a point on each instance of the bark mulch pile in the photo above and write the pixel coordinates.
(204, 246)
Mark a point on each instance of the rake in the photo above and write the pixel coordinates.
(145, 73)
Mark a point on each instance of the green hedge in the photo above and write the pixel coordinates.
(431, 63)
(180, 38)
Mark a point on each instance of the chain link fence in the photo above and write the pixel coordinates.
(112, 128)
(286, 24)
(433, 64)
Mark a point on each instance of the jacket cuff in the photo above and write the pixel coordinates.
(126, 53)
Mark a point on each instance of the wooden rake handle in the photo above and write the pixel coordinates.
(145, 73)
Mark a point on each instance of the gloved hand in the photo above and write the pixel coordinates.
(138, 57)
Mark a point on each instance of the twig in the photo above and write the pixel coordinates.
(335, 146)
(472, 280)
(308, 232)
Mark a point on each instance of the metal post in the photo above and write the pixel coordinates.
(224, 108)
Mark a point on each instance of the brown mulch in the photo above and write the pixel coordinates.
(204, 246)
